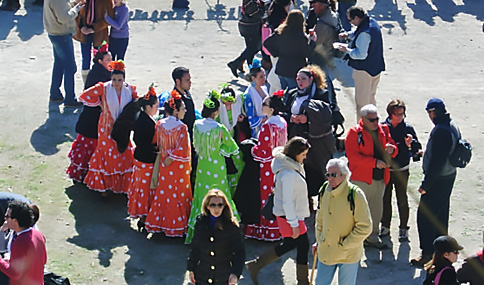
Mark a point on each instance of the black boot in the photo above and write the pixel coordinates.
(233, 65)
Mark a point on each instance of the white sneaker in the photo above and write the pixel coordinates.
(403, 235)
(384, 231)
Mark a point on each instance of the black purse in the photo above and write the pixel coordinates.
(266, 211)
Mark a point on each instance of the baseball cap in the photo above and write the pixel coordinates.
(435, 103)
(446, 244)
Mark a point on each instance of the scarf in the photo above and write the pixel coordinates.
(236, 111)
(115, 105)
(90, 12)
(301, 96)
(257, 99)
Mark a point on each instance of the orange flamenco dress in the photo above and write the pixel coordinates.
(109, 169)
(171, 203)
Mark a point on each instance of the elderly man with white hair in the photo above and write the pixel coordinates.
(343, 222)
(369, 147)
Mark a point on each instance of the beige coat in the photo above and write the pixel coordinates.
(339, 232)
(59, 17)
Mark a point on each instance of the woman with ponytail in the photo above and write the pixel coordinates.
(139, 191)
(108, 168)
(212, 142)
(172, 199)
(272, 134)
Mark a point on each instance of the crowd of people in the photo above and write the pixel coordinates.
(207, 175)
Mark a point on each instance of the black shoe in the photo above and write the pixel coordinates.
(75, 104)
(421, 260)
(233, 67)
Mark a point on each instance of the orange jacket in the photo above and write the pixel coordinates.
(359, 150)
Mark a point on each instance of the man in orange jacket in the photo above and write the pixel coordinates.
(369, 147)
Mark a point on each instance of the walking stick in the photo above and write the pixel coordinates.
(314, 266)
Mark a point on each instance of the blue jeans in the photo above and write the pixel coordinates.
(288, 82)
(86, 52)
(346, 275)
(64, 67)
(117, 47)
(342, 8)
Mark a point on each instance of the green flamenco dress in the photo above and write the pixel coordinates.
(212, 142)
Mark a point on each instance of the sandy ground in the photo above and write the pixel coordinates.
(432, 48)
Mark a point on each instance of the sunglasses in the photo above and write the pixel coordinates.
(456, 251)
(372, 120)
(265, 104)
(213, 205)
(8, 217)
(334, 175)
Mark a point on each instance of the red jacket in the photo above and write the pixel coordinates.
(27, 259)
(360, 155)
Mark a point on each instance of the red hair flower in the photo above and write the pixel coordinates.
(151, 92)
(117, 65)
(279, 93)
(175, 95)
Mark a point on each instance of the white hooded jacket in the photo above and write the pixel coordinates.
(290, 191)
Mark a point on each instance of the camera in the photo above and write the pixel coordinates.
(415, 147)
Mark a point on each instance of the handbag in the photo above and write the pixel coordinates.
(266, 31)
(266, 211)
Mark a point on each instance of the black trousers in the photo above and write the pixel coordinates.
(399, 181)
(253, 42)
(301, 244)
(433, 213)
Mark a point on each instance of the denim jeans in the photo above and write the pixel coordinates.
(64, 67)
(86, 52)
(117, 47)
(342, 8)
(346, 274)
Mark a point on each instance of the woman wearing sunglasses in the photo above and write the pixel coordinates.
(440, 270)
(291, 207)
(217, 251)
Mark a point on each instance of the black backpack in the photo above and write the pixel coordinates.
(462, 153)
(251, 7)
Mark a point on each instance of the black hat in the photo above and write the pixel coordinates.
(434, 104)
(446, 244)
(327, 2)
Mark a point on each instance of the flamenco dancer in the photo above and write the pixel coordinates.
(273, 133)
(139, 192)
(108, 168)
(85, 144)
(172, 200)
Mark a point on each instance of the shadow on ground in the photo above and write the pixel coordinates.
(27, 25)
(56, 130)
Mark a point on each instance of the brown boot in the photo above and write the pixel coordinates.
(302, 274)
(255, 265)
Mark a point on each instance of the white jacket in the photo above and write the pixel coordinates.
(290, 191)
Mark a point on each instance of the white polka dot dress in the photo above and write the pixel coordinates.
(108, 169)
(212, 145)
(170, 210)
(273, 134)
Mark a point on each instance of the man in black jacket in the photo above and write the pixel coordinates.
(439, 177)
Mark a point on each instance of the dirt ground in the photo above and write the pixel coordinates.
(432, 48)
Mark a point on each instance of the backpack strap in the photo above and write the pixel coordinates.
(351, 195)
(321, 192)
(437, 277)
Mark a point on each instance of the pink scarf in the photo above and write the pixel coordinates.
(90, 13)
